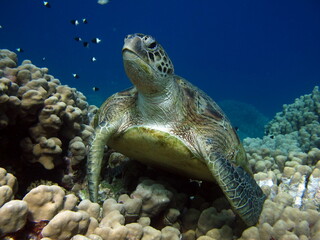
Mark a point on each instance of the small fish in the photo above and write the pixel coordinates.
(271, 136)
(74, 22)
(76, 76)
(0, 26)
(93, 59)
(236, 128)
(84, 20)
(95, 89)
(19, 50)
(85, 44)
(103, 2)
(46, 4)
(78, 39)
(44, 58)
(96, 40)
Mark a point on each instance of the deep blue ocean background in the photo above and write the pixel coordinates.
(261, 53)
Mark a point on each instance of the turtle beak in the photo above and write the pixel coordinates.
(132, 43)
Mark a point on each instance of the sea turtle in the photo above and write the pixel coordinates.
(164, 121)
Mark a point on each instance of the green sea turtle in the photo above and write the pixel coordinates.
(164, 121)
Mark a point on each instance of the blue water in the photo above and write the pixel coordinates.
(264, 53)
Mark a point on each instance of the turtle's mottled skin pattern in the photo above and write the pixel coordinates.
(165, 121)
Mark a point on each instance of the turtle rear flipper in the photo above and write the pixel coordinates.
(241, 190)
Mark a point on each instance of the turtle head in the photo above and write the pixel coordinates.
(146, 63)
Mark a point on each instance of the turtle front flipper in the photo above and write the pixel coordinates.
(102, 134)
(241, 190)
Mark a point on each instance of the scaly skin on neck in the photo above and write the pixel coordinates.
(161, 106)
(158, 95)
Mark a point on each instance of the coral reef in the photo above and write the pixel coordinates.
(296, 128)
(155, 197)
(44, 202)
(294, 117)
(13, 212)
(294, 131)
(45, 128)
(41, 121)
(13, 216)
(154, 209)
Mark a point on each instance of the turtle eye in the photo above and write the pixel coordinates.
(152, 45)
(150, 42)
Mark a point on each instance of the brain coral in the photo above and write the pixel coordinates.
(41, 121)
